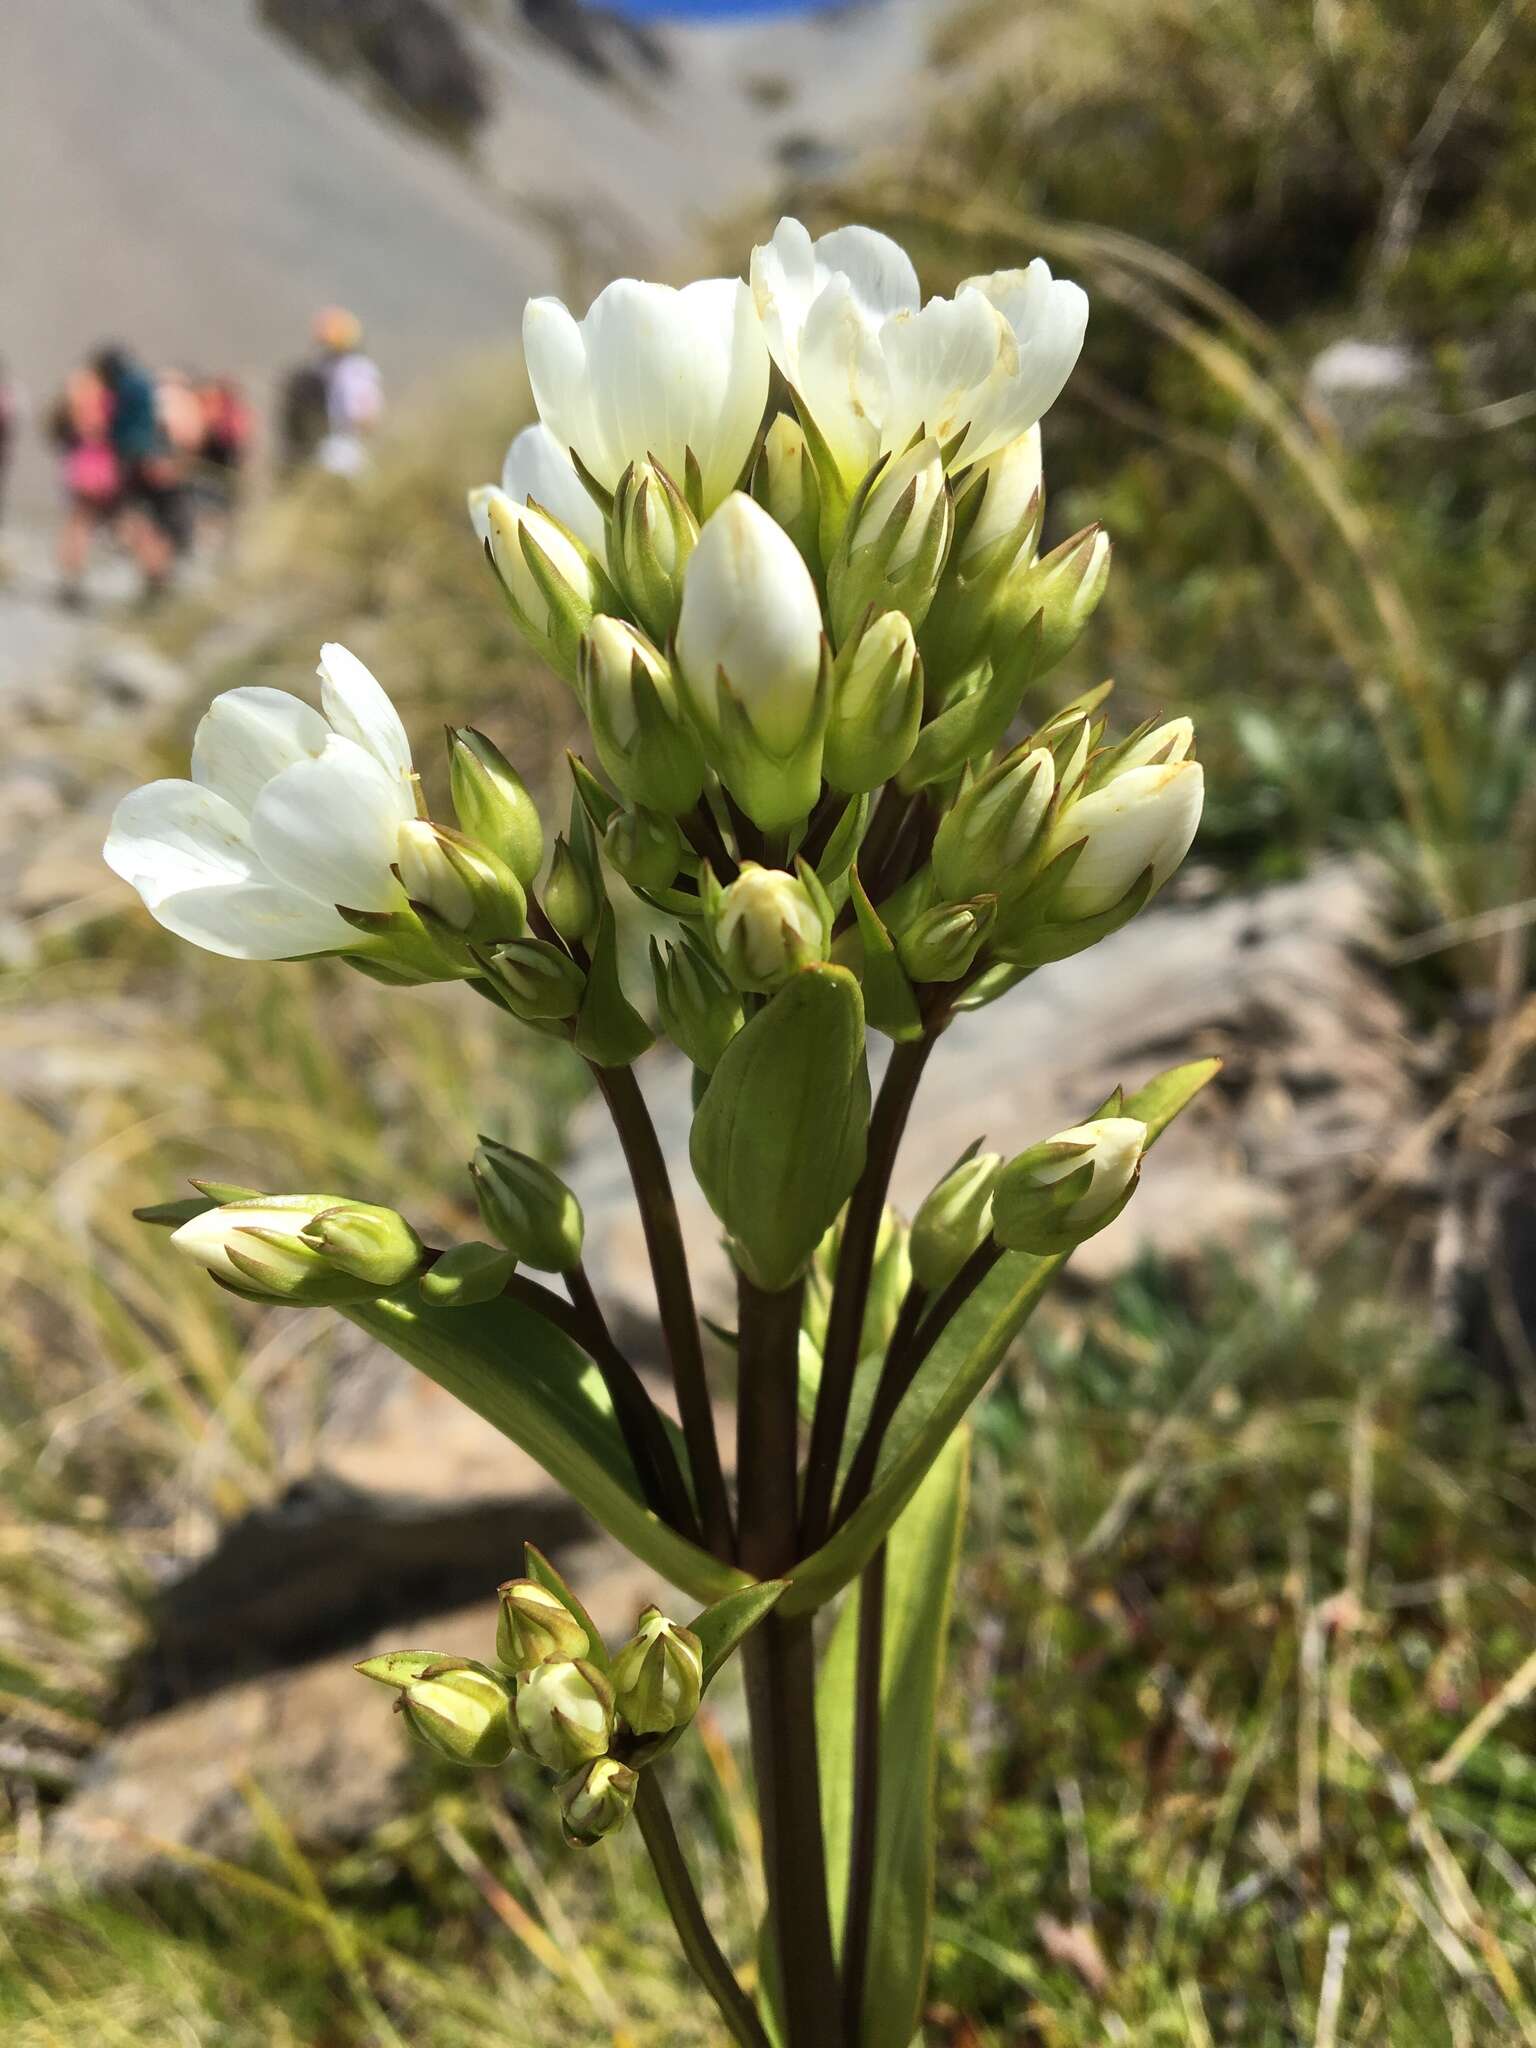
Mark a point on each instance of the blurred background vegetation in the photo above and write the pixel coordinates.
(1240, 1744)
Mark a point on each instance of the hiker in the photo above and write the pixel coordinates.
(152, 500)
(80, 428)
(224, 447)
(331, 402)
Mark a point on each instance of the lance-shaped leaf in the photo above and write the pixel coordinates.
(724, 1625)
(956, 1371)
(889, 996)
(922, 1552)
(540, 1569)
(540, 1389)
(609, 1029)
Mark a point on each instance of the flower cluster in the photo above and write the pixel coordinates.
(553, 1693)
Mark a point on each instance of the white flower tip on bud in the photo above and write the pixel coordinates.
(785, 458)
(658, 1675)
(429, 878)
(1067, 1188)
(565, 1713)
(907, 490)
(1142, 819)
(521, 537)
(1115, 1145)
(596, 1801)
(609, 650)
(461, 1711)
(206, 1239)
(534, 1626)
(1010, 482)
(751, 617)
(767, 925)
(1160, 748)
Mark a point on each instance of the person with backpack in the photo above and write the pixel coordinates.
(330, 403)
(151, 504)
(80, 428)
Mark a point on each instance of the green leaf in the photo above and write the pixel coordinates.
(921, 1555)
(171, 1215)
(609, 1029)
(889, 998)
(539, 1568)
(540, 1389)
(957, 1370)
(727, 1622)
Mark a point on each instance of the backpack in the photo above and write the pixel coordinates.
(303, 413)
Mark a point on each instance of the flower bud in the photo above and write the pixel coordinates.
(1140, 821)
(541, 982)
(371, 1243)
(451, 880)
(785, 484)
(259, 1247)
(528, 1207)
(570, 900)
(1069, 1187)
(877, 706)
(942, 943)
(1064, 587)
(997, 524)
(491, 803)
(985, 842)
(466, 1275)
(596, 1801)
(700, 1011)
(462, 1711)
(955, 1219)
(1008, 488)
(552, 584)
(658, 1675)
(643, 740)
(565, 1713)
(534, 1626)
(766, 925)
(750, 655)
(645, 847)
(893, 549)
(652, 534)
(1159, 748)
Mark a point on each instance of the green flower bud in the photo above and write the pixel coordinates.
(877, 706)
(1142, 820)
(565, 1713)
(954, 1220)
(985, 842)
(535, 1626)
(528, 1207)
(645, 847)
(596, 1801)
(894, 546)
(540, 981)
(652, 533)
(1069, 1187)
(491, 803)
(700, 1011)
(784, 483)
(372, 1244)
(766, 925)
(643, 740)
(1064, 587)
(454, 882)
(462, 1711)
(997, 524)
(466, 1275)
(259, 1247)
(1158, 747)
(570, 899)
(551, 582)
(942, 943)
(658, 1675)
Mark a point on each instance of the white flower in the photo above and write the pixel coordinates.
(1144, 818)
(538, 472)
(1115, 1145)
(750, 611)
(287, 814)
(206, 1238)
(844, 321)
(652, 372)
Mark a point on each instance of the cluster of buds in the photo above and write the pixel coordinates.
(553, 1694)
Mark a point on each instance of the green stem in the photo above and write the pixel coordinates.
(780, 1659)
(674, 1297)
(693, 1930)
(864, 1833)
(850, 1294)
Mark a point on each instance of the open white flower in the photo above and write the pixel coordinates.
(538, 472)
(288, 813)
(844, 320)
(652, 372)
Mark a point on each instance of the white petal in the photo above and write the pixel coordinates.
(247, 736)
(329, 827)
(1048, 317)
(538, 471)
(785, 283)
(843, 378)
(359, 709)
(940, 361)
(254, 921)
(555, 350)
(751, 609)
(878, 270)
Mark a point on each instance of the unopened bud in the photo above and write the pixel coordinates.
(570, 900)
(893, 550)
(535, 1626)
(877, 706)
(466, 887)
(785, 484)
(596, 1801)
(700, 1011)
(371, 1243)
(942, 943)
(652, 534)
(658, 1675)
(1008, 488)
(1141, 821)
(259, 1247)
(985, 841)
(551, 583)
(954, 1221)
(461, 1710)
(1069, 1187)
(540, 981)
(491, 803)
(997, 525)
(768, 924)
(1161, 747)
(643, 740)
(565, 1713)
(466, 1275)
(1064, 587)
(645, 847)
(528, 1207)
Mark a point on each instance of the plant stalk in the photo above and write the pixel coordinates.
(693, 1930)
(864, 1833)
(650, 1448)
(674, 1297)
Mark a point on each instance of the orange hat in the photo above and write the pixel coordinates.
(336, 328)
